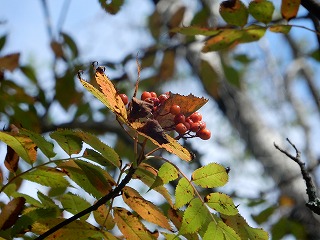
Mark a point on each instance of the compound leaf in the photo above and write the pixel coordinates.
(221, 203)
(147, 210)
(210, 176)
(129, 225)
(74, 204)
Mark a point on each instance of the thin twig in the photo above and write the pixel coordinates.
(314, 202)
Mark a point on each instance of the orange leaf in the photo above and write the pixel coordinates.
(147, 210)
(289, 8)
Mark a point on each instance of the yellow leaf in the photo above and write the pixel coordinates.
(147, 210)
(129, 225)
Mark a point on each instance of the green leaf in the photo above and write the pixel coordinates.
(232, 75)
(184, 193)
(30, 73)
(112, 6)
(261, 10)
(75, 230)
(166, 173)
(98, 177)
(220, 231)
(45, 146)
(284, 226)
(74, 204)
(210, 176)
(223, 40)
(195, 30)
(77, 175)
(210, 78)
(264, 215)
(71, 44)
(45, 200)
(68, 141)
(22, 145)
(28, 199)
(193, 217)
(147, 174)
(234, 12)
(3, 40)
(129, 225)
(221, 203)
(289, 8)
(47, 176)
(280, 28)
(241, 227)
(252, 33)
(107, 152)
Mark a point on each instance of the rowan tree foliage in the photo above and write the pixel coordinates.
(89, 189)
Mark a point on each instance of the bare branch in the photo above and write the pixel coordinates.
(314, 202)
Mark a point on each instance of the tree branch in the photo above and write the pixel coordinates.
(314, 202)
(312, 6)
(95, 206)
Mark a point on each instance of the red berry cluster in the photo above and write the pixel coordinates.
(183, 125)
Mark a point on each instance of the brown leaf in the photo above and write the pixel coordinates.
(57, 49)
(10, 61)
(153, 129)
(12, 159)
(139, 109)
(188, 104)
(10, 212)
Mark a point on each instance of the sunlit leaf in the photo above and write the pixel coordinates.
(252, 33)
(45, 146)
(166, 173)
(210, 176)
(234, 12)
(280, 28)
(112, 6)
(194, 216)
(67, 140)
(74, 204)
(47, 176)
(221, 203)
(103, 217)
(129, 225)
(147, 174)
(195, 30)
(10, 212)
(241, 227)
(147, 210)
(75, 230)
(10, 61)
(223, 40)
(22, 145)
(261, 10)
(289, 8)
(184, 193)
(220, 231)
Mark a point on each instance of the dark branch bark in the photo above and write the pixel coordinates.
(312, 6)
(314, 202)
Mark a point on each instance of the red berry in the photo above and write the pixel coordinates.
(202, 124)
(163, 98)
(153, 94)
(204, 134)
(180, 118)
(181, 128)
(124, 98)
(145, 95)
(187, 125)
(195, 127)
(188, 120)
(175, 109)
(195, 117)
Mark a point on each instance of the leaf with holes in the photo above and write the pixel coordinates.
(210, 176)
(147, 210)
(261, 10)
(234, 12)
(221, 203)
(194, 217)
(129, 225)
(184, 193)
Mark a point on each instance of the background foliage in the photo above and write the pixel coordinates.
(263, 92)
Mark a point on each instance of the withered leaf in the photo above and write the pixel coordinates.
(12, 159)
(139, 109)
(10, 212)
(10, 61)
(153, 129)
